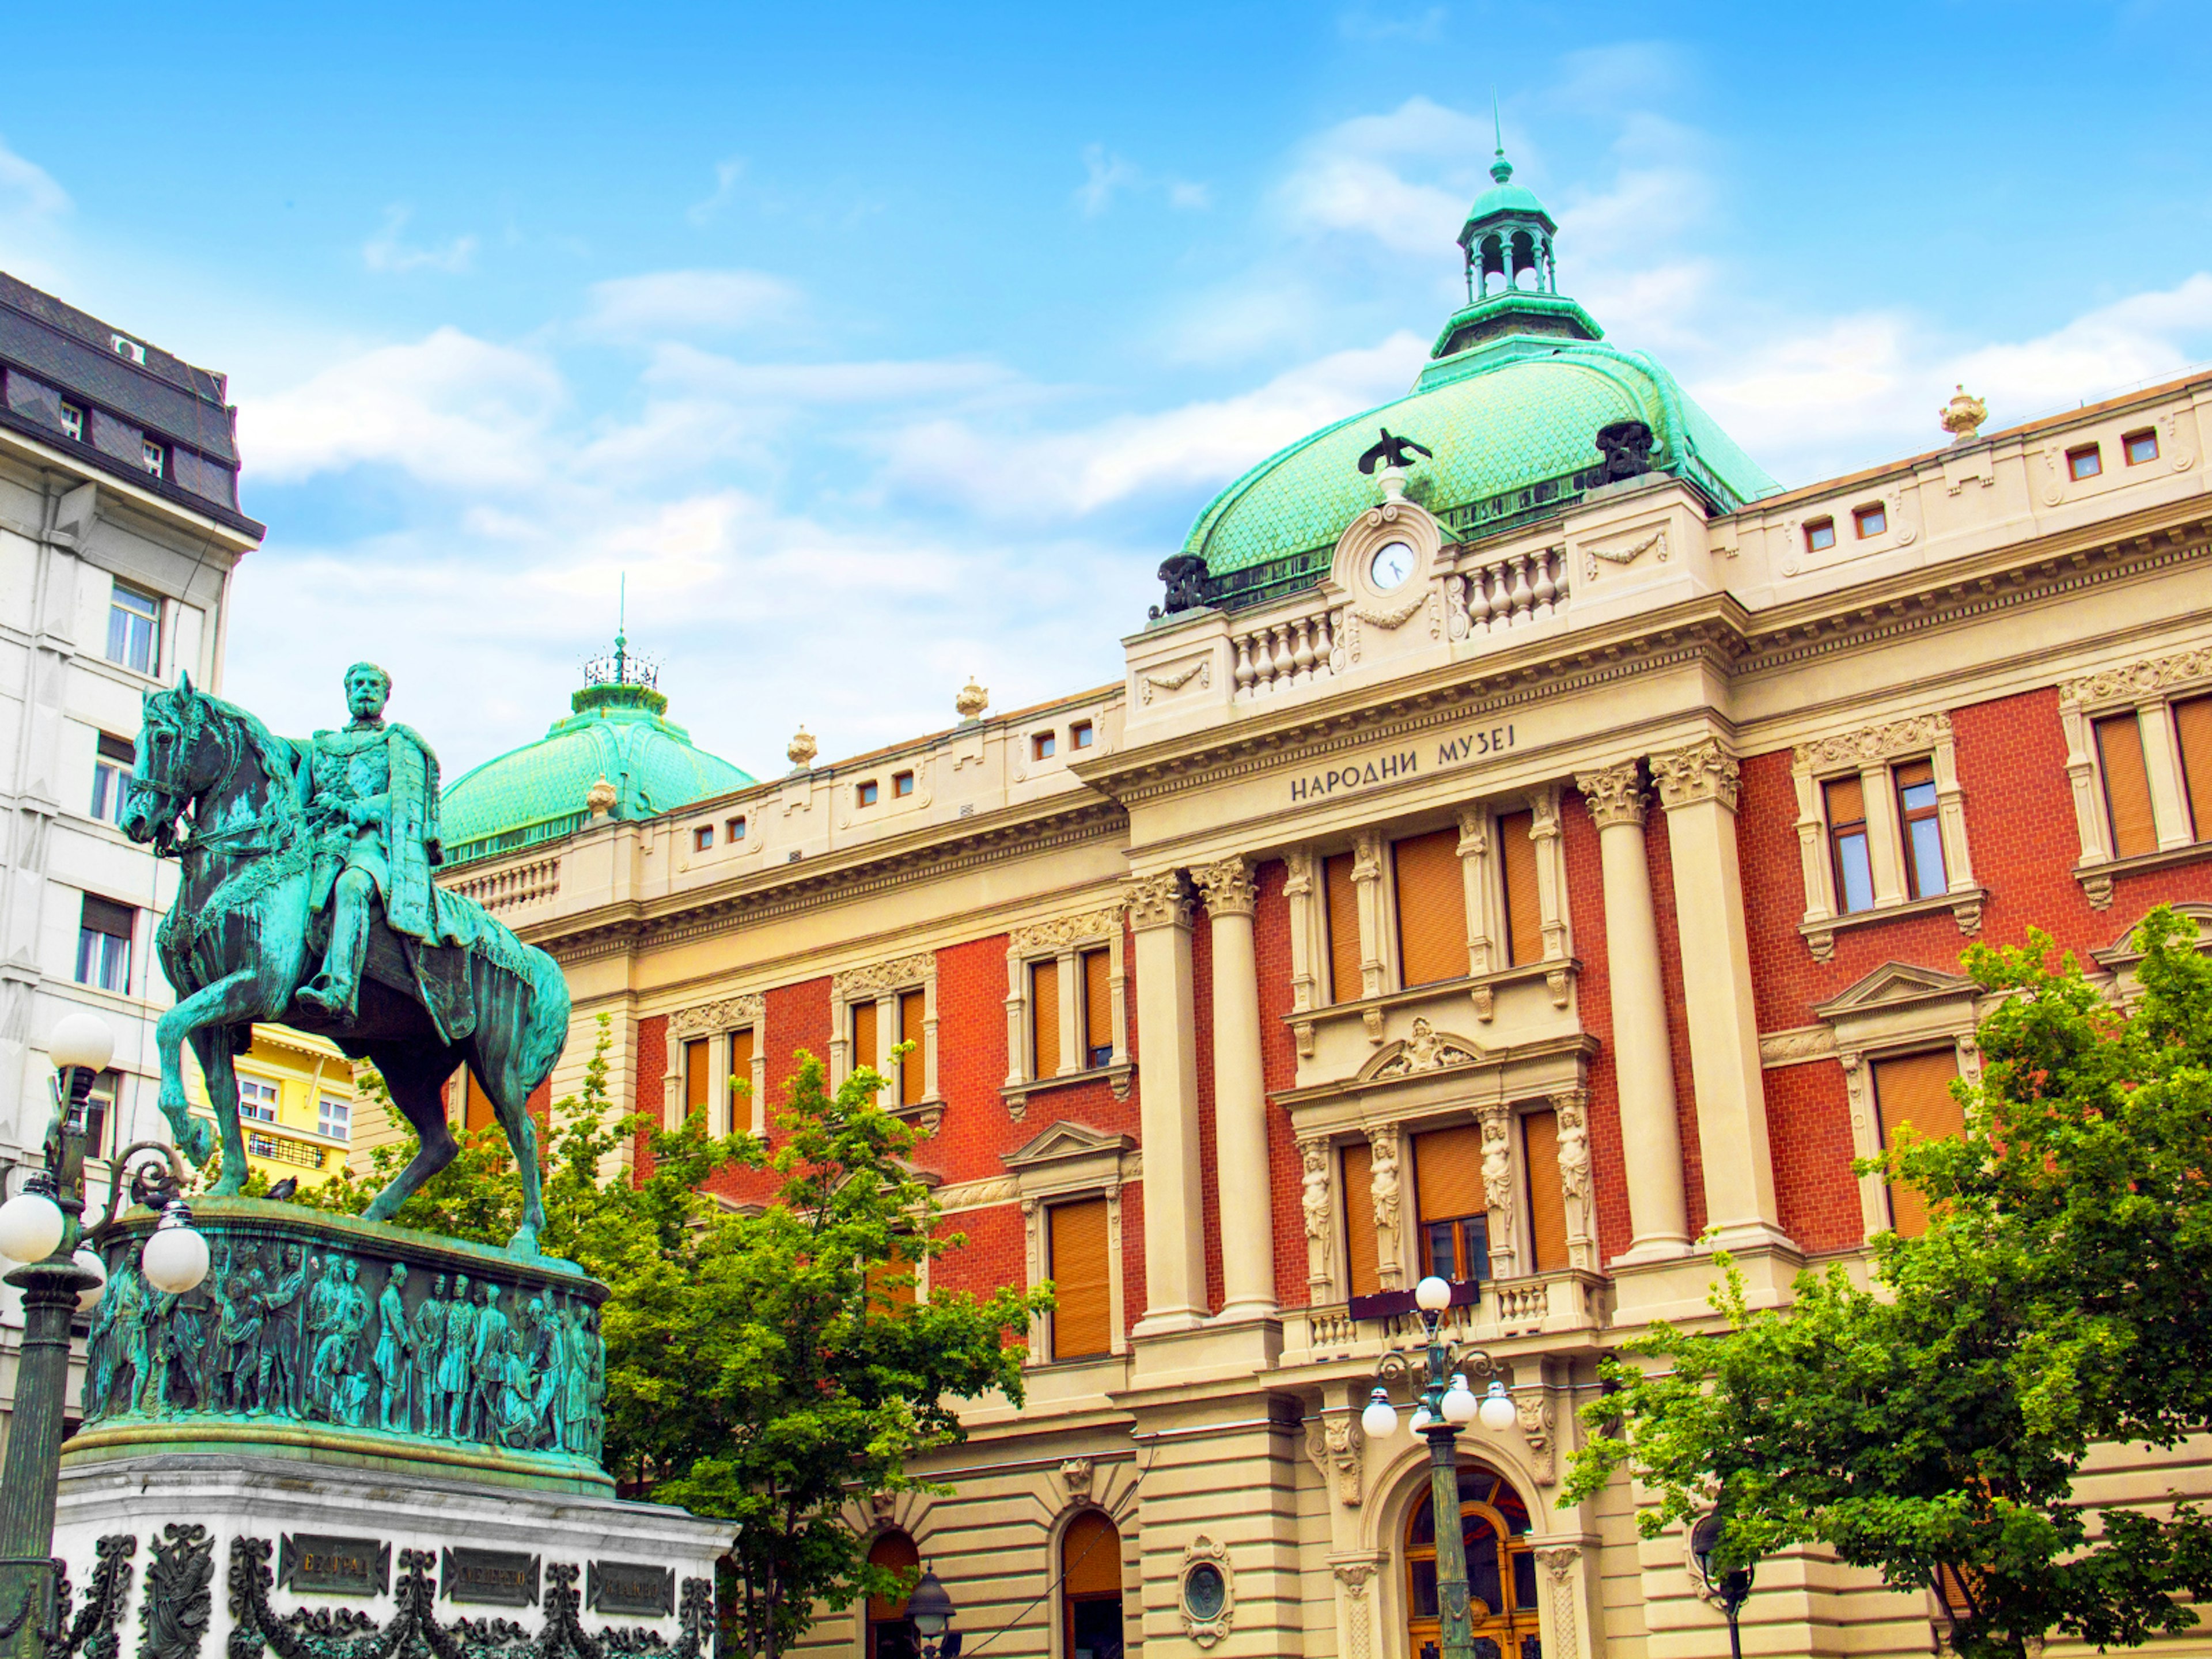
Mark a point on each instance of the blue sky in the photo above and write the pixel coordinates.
(881, 344)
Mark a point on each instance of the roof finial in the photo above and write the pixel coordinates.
(1501, 169)
(621, 624)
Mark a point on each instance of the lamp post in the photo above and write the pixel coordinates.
(1444, 1404)
(1732, 1588)
(931, 1609)
(40, 1227)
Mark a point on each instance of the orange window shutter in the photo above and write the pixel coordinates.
(1082, 1317)
(891, 1282)
(1044, 1017)
(2192, 729)
(864, 1034)
(1448, 1173)
(1916, 1089)
(1097, 1004)
(1361, 1274)
(913, 1071)
(1431, 907)
(1846, 799)
(1524, 910)
(1091, 1557)
(741, 1071)
(1547, 1204)
(894, 1550)
(480, 1112)
(1342, 898)
(698, 1080)
(2127, 785)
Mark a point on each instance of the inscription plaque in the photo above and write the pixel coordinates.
(630, 1587)
(314, 1563)
(500, 1578)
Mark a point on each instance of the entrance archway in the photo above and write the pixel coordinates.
(1501, 1570)
(891, 1633)
(1090, 1588)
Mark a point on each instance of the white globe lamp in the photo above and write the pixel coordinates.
(82, 1041)
(1380, 1419)
(175, 1259)
(1459, 1406)
(1432, 1295)
(1497, 1409)
(1421, 1418)
(31, 1223)
(88, 1261)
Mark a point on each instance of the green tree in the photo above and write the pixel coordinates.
(1933, 1424)
(765, 1368)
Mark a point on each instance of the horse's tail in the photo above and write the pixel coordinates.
(546, 1032)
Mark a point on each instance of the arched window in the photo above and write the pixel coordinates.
(1090, 1588)
(891, 1633)
(1501, 1571)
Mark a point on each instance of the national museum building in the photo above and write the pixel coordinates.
(1534, 853)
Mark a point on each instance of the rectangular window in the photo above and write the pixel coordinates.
(1819, 535)
(1340, 898)
(1044, 1018)
(1547, 1201)
(2192, 734)
(891, 1282)
(256, 1099)
(2140, 446)
(901, 783)
(1431, 907)
(73, 420)
(2127, 785)
(1870, 521)
(1454, 1214)
(155, 458)
(1097, 1006)
(103, 944)
(702, 837)
(1847, 844)
(1524, 924)
(1916, 1089)
(334, 1117)
(134, 631)
(2085, 462)
(913, 1073)
(111, 776)
(865, 794)
(1083, 734)
(90, 1117)
(734, 829)
(864, 1052)
(1362, 1276)
(1043, 745)
(1923, 829)
(698, 1076)
(741, 1071)
(1082, 1317)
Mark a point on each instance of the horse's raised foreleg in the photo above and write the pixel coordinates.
(233, 1000)
(415, 1078)
(212, 1044)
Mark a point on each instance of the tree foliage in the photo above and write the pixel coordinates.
(764, 1366)
(1934, 1424)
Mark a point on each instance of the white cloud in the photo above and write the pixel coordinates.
(28, 190)
(386, 251)
(665, 302)
(1350, 180)
(727, 173)
(676, 365)
(1107, 175)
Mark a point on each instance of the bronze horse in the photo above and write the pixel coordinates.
(240, 941)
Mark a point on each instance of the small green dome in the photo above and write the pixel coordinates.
(617, 732)
(1504, 199)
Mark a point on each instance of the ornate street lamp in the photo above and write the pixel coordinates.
(1444, 1405)
(1731, 1588)
(931, 1609)
(40, 1228)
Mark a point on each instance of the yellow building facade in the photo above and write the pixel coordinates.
(296, 1103)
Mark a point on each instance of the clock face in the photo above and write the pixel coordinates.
(1391, 566)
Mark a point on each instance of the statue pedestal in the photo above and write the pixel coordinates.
(354, 1440)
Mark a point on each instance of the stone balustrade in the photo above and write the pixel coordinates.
(511, 886)
(1515, 589)
(1279, 652)
(1570, 1300)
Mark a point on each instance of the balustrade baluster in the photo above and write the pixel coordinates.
(1244, 669)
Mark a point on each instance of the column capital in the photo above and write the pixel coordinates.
(1615, 794)
(1704, 771)
(1158, 901)
(1228, 886)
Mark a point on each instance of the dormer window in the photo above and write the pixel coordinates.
(2140, 446)
(154, 457)
(1819, 535)
(2085, 462)
(1871, 520)
(124, 346)
(73, 420)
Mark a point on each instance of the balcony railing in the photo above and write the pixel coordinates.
(1570, 1300)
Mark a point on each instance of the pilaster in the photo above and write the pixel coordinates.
(1240, 1103)
(1167, 1070)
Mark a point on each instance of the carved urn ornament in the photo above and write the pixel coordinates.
(600, 798)
(1963, 415)
(802, 750)
(972, 701)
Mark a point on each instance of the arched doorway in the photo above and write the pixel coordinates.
(891, 1633)
(1090, 1588)
(1501, 1570)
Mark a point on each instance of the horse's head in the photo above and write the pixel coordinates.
(181, 754)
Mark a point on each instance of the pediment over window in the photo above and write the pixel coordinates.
(1063, 1142)
(1896, 985)
(1426, 1050)
(2122, 954)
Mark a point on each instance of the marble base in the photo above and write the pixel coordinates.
(570, 1572)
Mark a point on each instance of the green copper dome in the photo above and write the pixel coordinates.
(617, 732)
(1511, 402)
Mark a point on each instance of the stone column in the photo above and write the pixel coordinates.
(1240, 1099)
(1642, 1065)
(1698, 787)
(1167, 1073)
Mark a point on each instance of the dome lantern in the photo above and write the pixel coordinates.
(1507, 233)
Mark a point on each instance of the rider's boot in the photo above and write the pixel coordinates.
(336, 990)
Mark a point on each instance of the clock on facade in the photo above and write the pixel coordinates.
(1391, 565)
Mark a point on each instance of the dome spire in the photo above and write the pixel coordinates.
(1500, 168)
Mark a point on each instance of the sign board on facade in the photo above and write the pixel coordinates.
(630, 1587)
(500, 1578)
(317, 1564)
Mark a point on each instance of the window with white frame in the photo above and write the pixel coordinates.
(111, 763)
(134, 631)
(1067, 1003)
(1881, 828)
(876, 1011)
(713, 1047)
(2139, 755)
(257, 1098)
(103, 944)
(334, 1117)
(1069, 1180)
